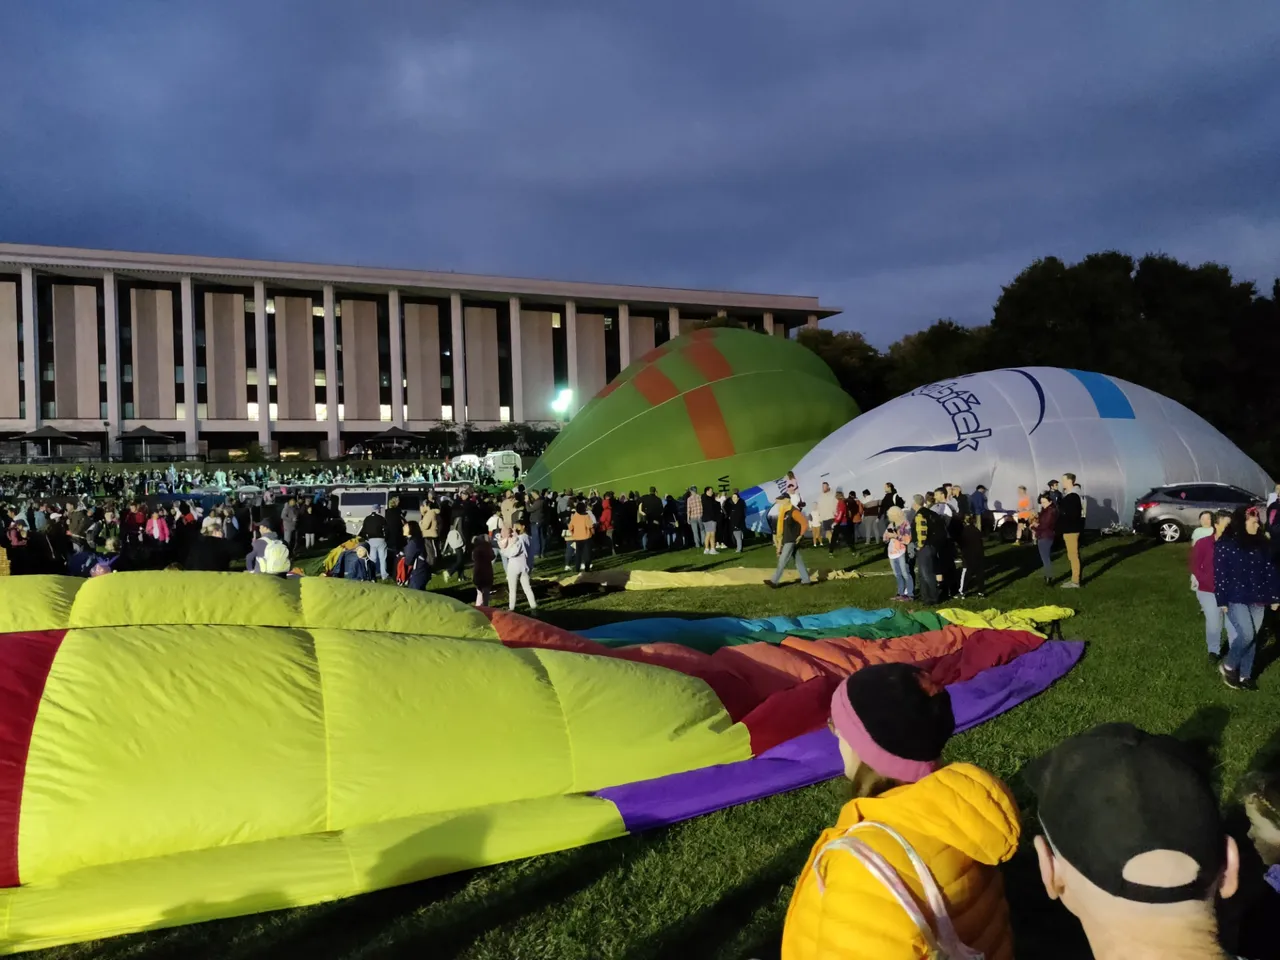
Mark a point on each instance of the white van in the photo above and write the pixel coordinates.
(503, 464)
(356, 503)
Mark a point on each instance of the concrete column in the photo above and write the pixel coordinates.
(31, 348)
(397, 358)
(458, 349)
(768, 324)
(517, 363)
(264, 364)
(812, 322)
(189, 363)
(673, 322)
(331, 369)
(111, 324)
(624, 336)
(571, 337)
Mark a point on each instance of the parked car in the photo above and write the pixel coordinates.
(1171, 512)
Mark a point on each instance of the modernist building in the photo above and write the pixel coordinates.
(222, 352)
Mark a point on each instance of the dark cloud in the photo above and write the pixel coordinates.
(901, 161)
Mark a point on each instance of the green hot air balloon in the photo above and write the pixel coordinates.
(719, 407)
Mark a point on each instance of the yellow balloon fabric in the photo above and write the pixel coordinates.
(217, 744)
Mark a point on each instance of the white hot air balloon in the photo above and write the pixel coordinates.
(1025, 426)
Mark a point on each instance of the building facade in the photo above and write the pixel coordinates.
(223, 352)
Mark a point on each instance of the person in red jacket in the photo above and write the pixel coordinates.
(606, 521)
(1200, 563)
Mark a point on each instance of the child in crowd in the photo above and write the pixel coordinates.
(859, 894)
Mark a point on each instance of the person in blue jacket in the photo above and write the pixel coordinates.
(1245, 582)
(356, 564)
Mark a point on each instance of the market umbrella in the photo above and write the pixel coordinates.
(394, 433)
(49, 435)
(144, 435)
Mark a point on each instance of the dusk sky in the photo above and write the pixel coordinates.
(900, 160)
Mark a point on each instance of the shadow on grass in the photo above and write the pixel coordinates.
(706, 932)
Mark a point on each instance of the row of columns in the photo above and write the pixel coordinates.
(333, 425)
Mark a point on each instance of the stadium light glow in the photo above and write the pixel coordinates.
(560, 405)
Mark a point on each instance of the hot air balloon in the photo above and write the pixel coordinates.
(719, 407)
(1024, 426)
(176, 747)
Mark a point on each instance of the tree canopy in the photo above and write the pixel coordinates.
(1192, 333)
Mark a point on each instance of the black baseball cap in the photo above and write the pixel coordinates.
(1117, 792)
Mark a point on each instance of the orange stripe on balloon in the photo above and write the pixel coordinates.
(609, 387)
(656, 353)
(706, 356)
(707, 420)
(25, 661)
(654, 385)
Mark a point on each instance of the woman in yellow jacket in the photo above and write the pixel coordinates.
(892, 723)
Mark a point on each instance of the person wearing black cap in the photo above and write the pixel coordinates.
(860, 895)
(1133, 844)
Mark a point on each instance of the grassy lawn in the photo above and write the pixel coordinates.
(717, 887)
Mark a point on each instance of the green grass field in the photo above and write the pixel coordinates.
(718, 886)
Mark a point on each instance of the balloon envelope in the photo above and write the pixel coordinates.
(719, 407)
(1023, 427)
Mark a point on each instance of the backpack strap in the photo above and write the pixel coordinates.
(938, 932)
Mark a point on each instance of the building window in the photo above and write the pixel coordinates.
(342, 411)
(102, 410)
(180, 410)
(273, 411)
(384, 412)
(271, 305)
(179, 374)
(251, 377)
(128, 410)
(504, 414)
(406, 413)
(126, 375)
(322, 412)
(50, 410)
(202, 411)
(446, 412)
(555, 321)
(319, 378)
(251, 410)
(48, 373)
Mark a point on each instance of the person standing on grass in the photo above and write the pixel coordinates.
(790, 535)
(710, 519)
(840, 525)
(693, 517)
(1200, 563)
(582, 530)
(516, 549)
(735, 515)
(978, 505)
(824, 515)
(482, 568)
(1245, 582)
(930, 535)
(911, 867)
(897, 537)
(1024, 516)
(1071, 525)
(1045, 527)
(973, 577)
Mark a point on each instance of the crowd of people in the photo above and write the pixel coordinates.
(936, 544)
(51, 483)
(912, 863)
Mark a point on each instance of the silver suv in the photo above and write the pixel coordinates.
(1173, 511)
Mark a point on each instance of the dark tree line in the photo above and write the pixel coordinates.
(1191, 333)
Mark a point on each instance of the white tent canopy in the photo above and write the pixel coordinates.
(1023, 427)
